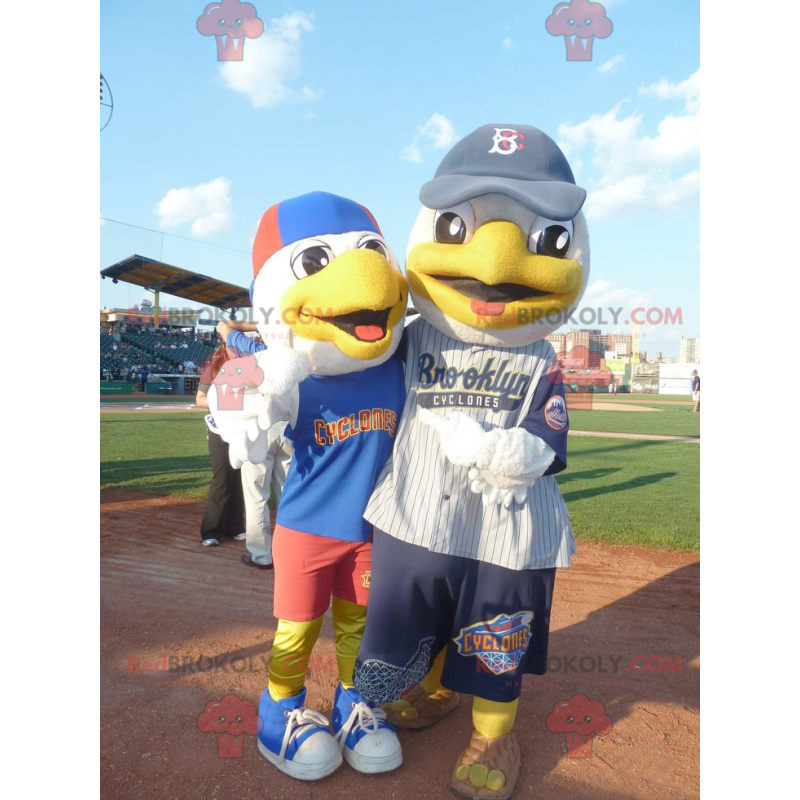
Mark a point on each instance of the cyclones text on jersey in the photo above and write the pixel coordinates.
(376, 419)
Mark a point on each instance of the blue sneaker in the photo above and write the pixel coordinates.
(297, 740)
(369, 743)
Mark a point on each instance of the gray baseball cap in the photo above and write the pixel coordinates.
(516, 160)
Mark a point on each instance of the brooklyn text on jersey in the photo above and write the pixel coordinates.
(492, 386)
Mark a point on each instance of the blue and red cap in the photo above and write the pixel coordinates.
(313, 214)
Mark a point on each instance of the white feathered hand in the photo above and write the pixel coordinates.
(503, 462)
(252, 393)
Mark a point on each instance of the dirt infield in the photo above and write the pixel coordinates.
(647, 437)
(141, 408)
(167, 600)
(601, 406)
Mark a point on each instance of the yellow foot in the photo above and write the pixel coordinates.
(420, 710)
(488, 769)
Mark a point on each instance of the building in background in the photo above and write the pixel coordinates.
(559, 342)
(590, 348)
(590, 343)
(620, 343)
(690, 351)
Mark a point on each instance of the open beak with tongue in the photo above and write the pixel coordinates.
(354, 302)
(494, 280)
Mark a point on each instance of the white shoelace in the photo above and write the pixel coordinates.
(295, 723)
(362, 716)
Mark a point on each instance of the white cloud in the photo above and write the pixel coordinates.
(688, 91)
(605, 294)
(438, 130)
(612, 65)
(207, 206)
(507, 43)
(270, 64)
(412, 153)
(675, 192)
(636, 170)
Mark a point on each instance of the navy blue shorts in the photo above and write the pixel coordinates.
(494, 622)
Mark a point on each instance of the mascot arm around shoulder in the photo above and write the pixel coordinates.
(253, 393)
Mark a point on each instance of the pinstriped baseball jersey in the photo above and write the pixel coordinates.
(423, 499)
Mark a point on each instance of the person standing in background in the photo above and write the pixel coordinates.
(696, 391)
(224, 513)
(259, 480)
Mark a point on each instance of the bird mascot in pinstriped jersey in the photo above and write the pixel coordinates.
(469, 523)
(337, 298)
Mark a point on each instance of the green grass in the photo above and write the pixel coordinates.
(634, 492)
(668, 420)
(155, 453)
(618, 491)
(151, 399)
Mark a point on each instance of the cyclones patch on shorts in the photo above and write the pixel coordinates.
(500, 643)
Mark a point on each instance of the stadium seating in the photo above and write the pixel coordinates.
(172, 349)
(160, 352)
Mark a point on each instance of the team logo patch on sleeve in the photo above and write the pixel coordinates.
(499, 643)
(555, 413)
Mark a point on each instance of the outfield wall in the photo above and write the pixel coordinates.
(676, 378)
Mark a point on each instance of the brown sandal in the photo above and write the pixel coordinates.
(419, 710)
(488, 769)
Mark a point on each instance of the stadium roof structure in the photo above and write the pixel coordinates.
(156, 276)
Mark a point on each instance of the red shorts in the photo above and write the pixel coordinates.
(309, 569)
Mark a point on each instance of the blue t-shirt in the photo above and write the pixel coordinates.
(345, 431)
(244, 344)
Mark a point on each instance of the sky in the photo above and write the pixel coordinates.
(363, 99)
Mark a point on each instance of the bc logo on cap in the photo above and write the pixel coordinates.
(507, 141)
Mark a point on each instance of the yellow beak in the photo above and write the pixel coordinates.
(354, 302)
(493, 281)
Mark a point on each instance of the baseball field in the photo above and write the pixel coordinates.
(183, 625)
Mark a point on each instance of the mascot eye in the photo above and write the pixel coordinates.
(311, 260)
(238, 370)
(238, 719)
(550, 238)
(222, 719)
(454, 225)
(570, 720)
(374, 244)
(587, 719)
(221, 22)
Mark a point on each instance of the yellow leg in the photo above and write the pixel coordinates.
(493, 719)
(348, 622)
(432, 682)
(291, 650)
